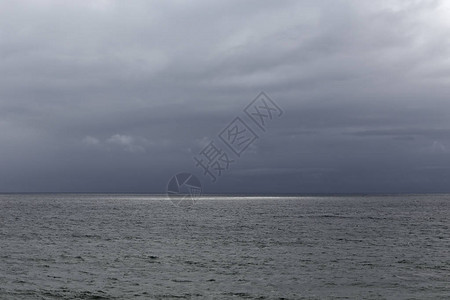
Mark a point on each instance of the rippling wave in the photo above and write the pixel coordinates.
(137, 246)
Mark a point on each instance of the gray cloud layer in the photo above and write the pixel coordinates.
(118, 96)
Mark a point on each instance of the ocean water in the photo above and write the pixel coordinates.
(55, 246)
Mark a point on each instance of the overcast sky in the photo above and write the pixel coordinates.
(119, 96)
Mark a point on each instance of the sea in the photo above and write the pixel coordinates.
(120, 246)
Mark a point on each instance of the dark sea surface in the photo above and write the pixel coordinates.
(61, 246)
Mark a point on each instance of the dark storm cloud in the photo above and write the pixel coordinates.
(118, 96)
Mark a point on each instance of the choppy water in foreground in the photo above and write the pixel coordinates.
(128, 246)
